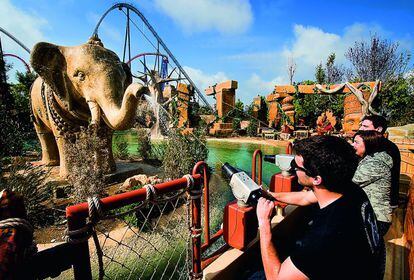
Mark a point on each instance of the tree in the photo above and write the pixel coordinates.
(331, 73)
(291, 68)
(320, 74)
(377, 59)
(334, 73)
(397, 97)
(310, 106)
(382, 60)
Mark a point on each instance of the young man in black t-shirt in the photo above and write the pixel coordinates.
(340, 239)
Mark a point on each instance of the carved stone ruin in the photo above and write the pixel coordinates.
(225, 94)
(356, 105)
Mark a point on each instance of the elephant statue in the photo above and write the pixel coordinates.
(77, 87)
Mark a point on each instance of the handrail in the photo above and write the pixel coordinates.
(123, 199)
(76, 216)
(254, 160)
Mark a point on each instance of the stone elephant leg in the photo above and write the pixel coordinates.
(50, 152)
(63, 171)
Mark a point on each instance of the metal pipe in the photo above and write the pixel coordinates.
(123, 199)
(254, 160)
(289, 148)
(206, 195)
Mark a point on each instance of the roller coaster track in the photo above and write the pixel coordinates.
(19, 58)
(159, 40)
(15, 39)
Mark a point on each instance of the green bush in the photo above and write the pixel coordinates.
(252, 128)
(183, 152)
(236, 124)
(121, 147)
(158, 150)
(144, 143)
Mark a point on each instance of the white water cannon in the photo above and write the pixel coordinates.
(283, 161)
(244, 189)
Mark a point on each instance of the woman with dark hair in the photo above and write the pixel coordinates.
(373, 174)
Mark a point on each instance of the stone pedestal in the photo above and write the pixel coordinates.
(256, 106)
(225, 94)
(183, 94)
(183, 105)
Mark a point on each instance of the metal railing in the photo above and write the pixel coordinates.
(150, 233)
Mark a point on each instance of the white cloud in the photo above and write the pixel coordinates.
(26, 27)
(256, 85)
(203, 80)
(105, 30)
(231, 16)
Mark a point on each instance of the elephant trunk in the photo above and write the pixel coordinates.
(121, 118)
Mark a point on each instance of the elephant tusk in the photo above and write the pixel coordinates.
(95, 112)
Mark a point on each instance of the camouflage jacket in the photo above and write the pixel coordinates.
(374, 176)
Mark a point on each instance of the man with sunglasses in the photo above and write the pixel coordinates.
(340, 239)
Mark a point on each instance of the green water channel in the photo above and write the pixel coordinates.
(237, 154)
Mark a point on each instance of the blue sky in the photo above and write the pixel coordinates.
(248, 41)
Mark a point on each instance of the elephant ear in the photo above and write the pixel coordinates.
(128, 74)
(49, 62)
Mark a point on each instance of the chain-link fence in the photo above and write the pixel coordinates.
(149, 233)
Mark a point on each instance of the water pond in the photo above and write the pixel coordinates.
(238, 154)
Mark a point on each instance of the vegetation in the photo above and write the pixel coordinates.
(144, 143)
(182, 152)
(17, 127)
(86, 166)
(382, 60)
(121, 147)
(396, 99)
(30, 182)
(252, 128)
(378, 59)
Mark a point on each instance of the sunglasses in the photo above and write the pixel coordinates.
(295, 167)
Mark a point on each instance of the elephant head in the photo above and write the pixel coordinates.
(90, 81)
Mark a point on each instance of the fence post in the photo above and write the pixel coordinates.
(81, 264)
(195, 197)
(254, 160)
(206, 195)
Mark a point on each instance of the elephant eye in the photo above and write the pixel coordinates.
(80, 75)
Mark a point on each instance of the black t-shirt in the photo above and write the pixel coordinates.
(394, 152)
(341, 240)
